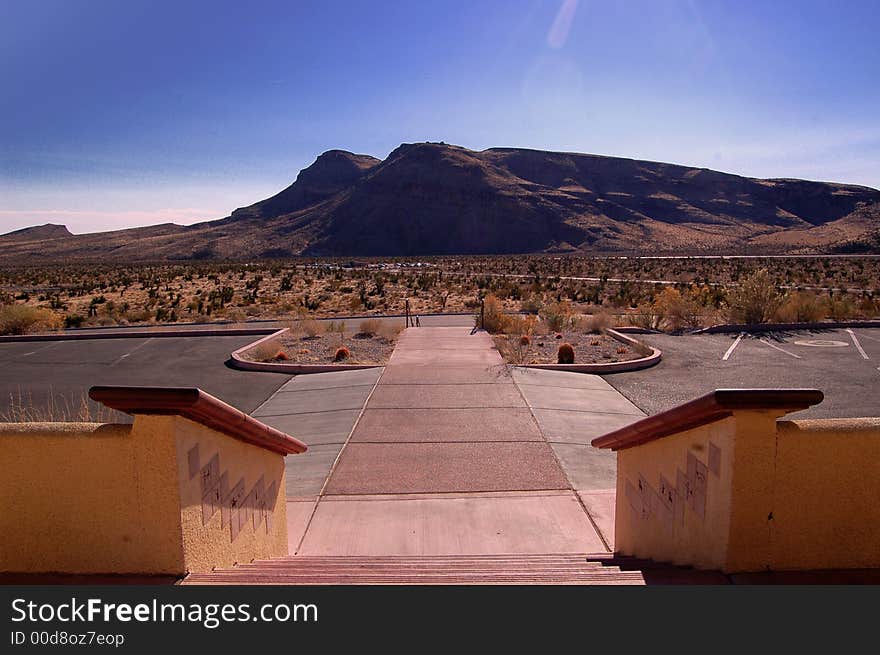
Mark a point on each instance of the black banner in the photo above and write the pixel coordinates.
(236, 619)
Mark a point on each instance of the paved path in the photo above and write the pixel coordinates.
(447, 456)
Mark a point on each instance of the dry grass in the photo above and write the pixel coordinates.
(60, 409)
(305, 326)
(390, 330)
(598, 322)
(369, 327)
(266, 351)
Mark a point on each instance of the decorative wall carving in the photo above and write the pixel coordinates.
(667, 503)
(235, 506)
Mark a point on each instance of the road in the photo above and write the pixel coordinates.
(843, 364)
(61, 372)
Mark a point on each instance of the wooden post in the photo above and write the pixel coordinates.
(482, 314)
(407, 312)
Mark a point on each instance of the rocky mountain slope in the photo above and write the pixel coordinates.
(434, 198)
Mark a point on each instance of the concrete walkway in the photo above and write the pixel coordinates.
(447, 457)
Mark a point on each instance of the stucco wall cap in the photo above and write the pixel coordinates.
(196, 405)
(714, 406)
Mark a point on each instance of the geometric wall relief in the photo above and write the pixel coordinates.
(667, 503)
(235, 506)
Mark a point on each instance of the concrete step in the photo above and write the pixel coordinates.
(454, 569)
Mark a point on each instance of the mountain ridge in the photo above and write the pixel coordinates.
(440, 199)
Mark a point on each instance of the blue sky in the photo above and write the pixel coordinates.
(120, 113)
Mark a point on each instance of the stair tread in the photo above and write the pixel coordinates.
(548, 568)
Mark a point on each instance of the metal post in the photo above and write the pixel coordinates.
(482, 314)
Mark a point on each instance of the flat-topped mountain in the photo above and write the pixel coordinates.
(37, 232)
(434, 198)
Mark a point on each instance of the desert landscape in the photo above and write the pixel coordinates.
(659, 293)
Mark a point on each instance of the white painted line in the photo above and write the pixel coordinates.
(773, 345)
(735, 344)
(39, 350)
(132, 351)
(857, 344)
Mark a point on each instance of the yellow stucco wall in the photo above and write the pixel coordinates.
(788, 495)
(826, 505)
(684, 537)
(87, 498)
(90, 498)
(209, 545)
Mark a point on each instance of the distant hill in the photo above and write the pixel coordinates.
(434, 198)
(47, 231)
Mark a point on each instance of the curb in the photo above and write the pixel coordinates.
(612, 367)
(774, 327)
(239, 362)
(141, 334)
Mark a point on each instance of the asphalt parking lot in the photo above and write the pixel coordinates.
(61, 372)
(841, 363)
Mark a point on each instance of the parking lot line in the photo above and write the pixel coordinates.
(857, 344)
(34, 352)
(773, 345)
(132, 351)
(734, 345)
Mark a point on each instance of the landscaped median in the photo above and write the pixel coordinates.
(650, 357)
(310, 346)
(246, 358)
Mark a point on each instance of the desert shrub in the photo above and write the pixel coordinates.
(341, 354)
(307, 327)
(281, 356)
(644, 317)
(840, 309)
(801, 307)
(565, 354)
(599, 322)
(558, 316)
(518, 324)
(515, 351)
(389, 330)
(492, 315)
(676, 311)
(265, 351)
(532, 304)
(73, 320)
(369, 327)
(755, 300)
(24, 319)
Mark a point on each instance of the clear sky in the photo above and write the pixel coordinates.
(116, 113)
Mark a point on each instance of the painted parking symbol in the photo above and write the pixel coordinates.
(822, 343)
